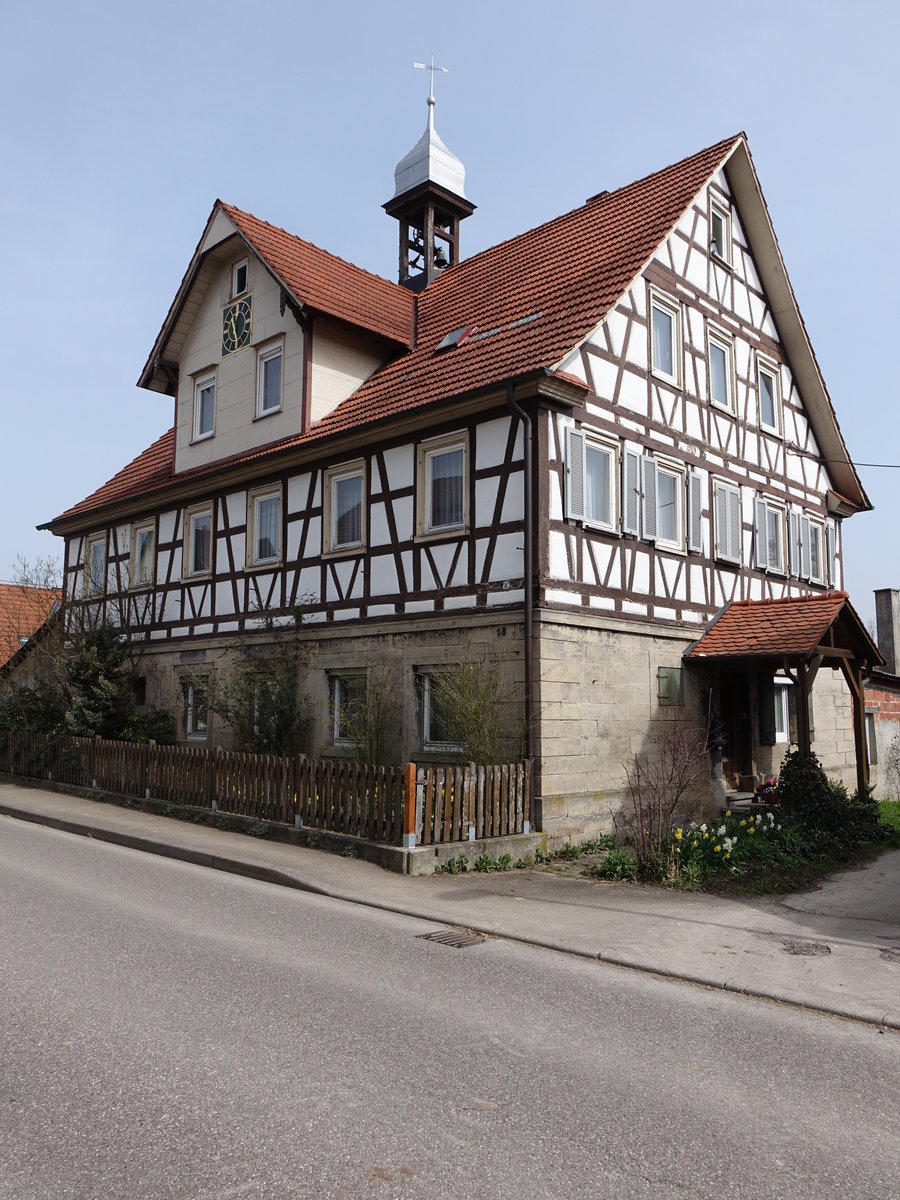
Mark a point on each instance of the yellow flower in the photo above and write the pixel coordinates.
(706, 837)
(751, 830)
(678, 835)
(727, 812)
(743, 823)
(717, 849)
(728, 855)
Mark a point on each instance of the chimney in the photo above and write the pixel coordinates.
(887, 626)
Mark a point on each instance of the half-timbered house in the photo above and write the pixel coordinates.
(564, 456)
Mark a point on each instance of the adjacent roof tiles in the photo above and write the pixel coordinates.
(537, 295)
(329, 284)
(771, 629)
(23, 610)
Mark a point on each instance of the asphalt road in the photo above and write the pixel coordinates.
(172, 1032)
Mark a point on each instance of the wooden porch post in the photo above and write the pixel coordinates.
(853, 674)
(410, 807)
(803, 743)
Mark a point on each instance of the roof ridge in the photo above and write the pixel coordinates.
(233, 208)
(605, 197)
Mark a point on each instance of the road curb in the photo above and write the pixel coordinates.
(263, 874)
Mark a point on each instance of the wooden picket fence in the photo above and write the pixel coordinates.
(334, 795)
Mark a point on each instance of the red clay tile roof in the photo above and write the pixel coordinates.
(529, 302)
(327, 283)
(23, 610)
(794, 625)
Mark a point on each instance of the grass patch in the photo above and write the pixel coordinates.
(889, 813)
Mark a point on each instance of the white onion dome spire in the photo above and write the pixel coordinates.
(430, 161)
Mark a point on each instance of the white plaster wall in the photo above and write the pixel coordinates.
(342, 359)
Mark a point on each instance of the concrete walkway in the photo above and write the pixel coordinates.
(835, 949)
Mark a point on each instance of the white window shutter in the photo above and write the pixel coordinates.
(805, 539)
(761, 534)
(721, 522)
(830, 561)
(794, 543)
(648, 487)
(695, 504)
(735, 548)
(631, 492)
(575, 474)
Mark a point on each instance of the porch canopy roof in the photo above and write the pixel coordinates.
(788, 631)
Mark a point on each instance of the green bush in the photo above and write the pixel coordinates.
(618, 864)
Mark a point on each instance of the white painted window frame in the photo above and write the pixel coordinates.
(426, 452)
(331, 478)
(341, 695)
(727, 540)
(135, 580)
(265, 354)
(763, 509)
(254, 499)
(201, 383)
(426, 684)
(817, 573)
(196, 729)
(92, 586)
(579, 443)
(191, 516)
(721, 209)
(672, 308)
(677, 472)
(765, 366)
(725, 343)
(782, 717)
(235, 270)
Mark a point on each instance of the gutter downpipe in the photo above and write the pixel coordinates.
(528, 571)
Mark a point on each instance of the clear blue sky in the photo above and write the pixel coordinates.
(124, 122)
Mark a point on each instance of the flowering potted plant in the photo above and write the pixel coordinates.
(767, 791)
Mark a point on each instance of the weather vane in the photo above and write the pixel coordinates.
(432, 68)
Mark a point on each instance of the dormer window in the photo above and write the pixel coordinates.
(239, 278)
(719, 232)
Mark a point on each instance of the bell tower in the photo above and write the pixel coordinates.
(429, 202)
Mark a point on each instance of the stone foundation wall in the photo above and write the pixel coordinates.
(396, 653)
(599, 706)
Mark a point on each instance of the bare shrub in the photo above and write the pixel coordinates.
(660, 781)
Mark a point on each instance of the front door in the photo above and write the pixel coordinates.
(734, 708)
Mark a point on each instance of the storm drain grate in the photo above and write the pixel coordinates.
(457, 938)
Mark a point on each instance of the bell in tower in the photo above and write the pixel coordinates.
(429, 202)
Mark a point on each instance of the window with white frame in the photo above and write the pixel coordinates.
(769, 398)
(721, 370)
(816, 552)
(669, 507)
(871, 737)
(769, 536)
(810, 548)
(665, 338)
(591, 477)
(435, 728)
(143, 554)
(204, 406)
(344, 490)
(442, 501)
(198, 541)
(264, 526)
(240, 275)
(782, 699)
(728, 522)
(348, 698)
(268, 380)
(720, 231)
(196, 708)
(653, 499)
(95, 565)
